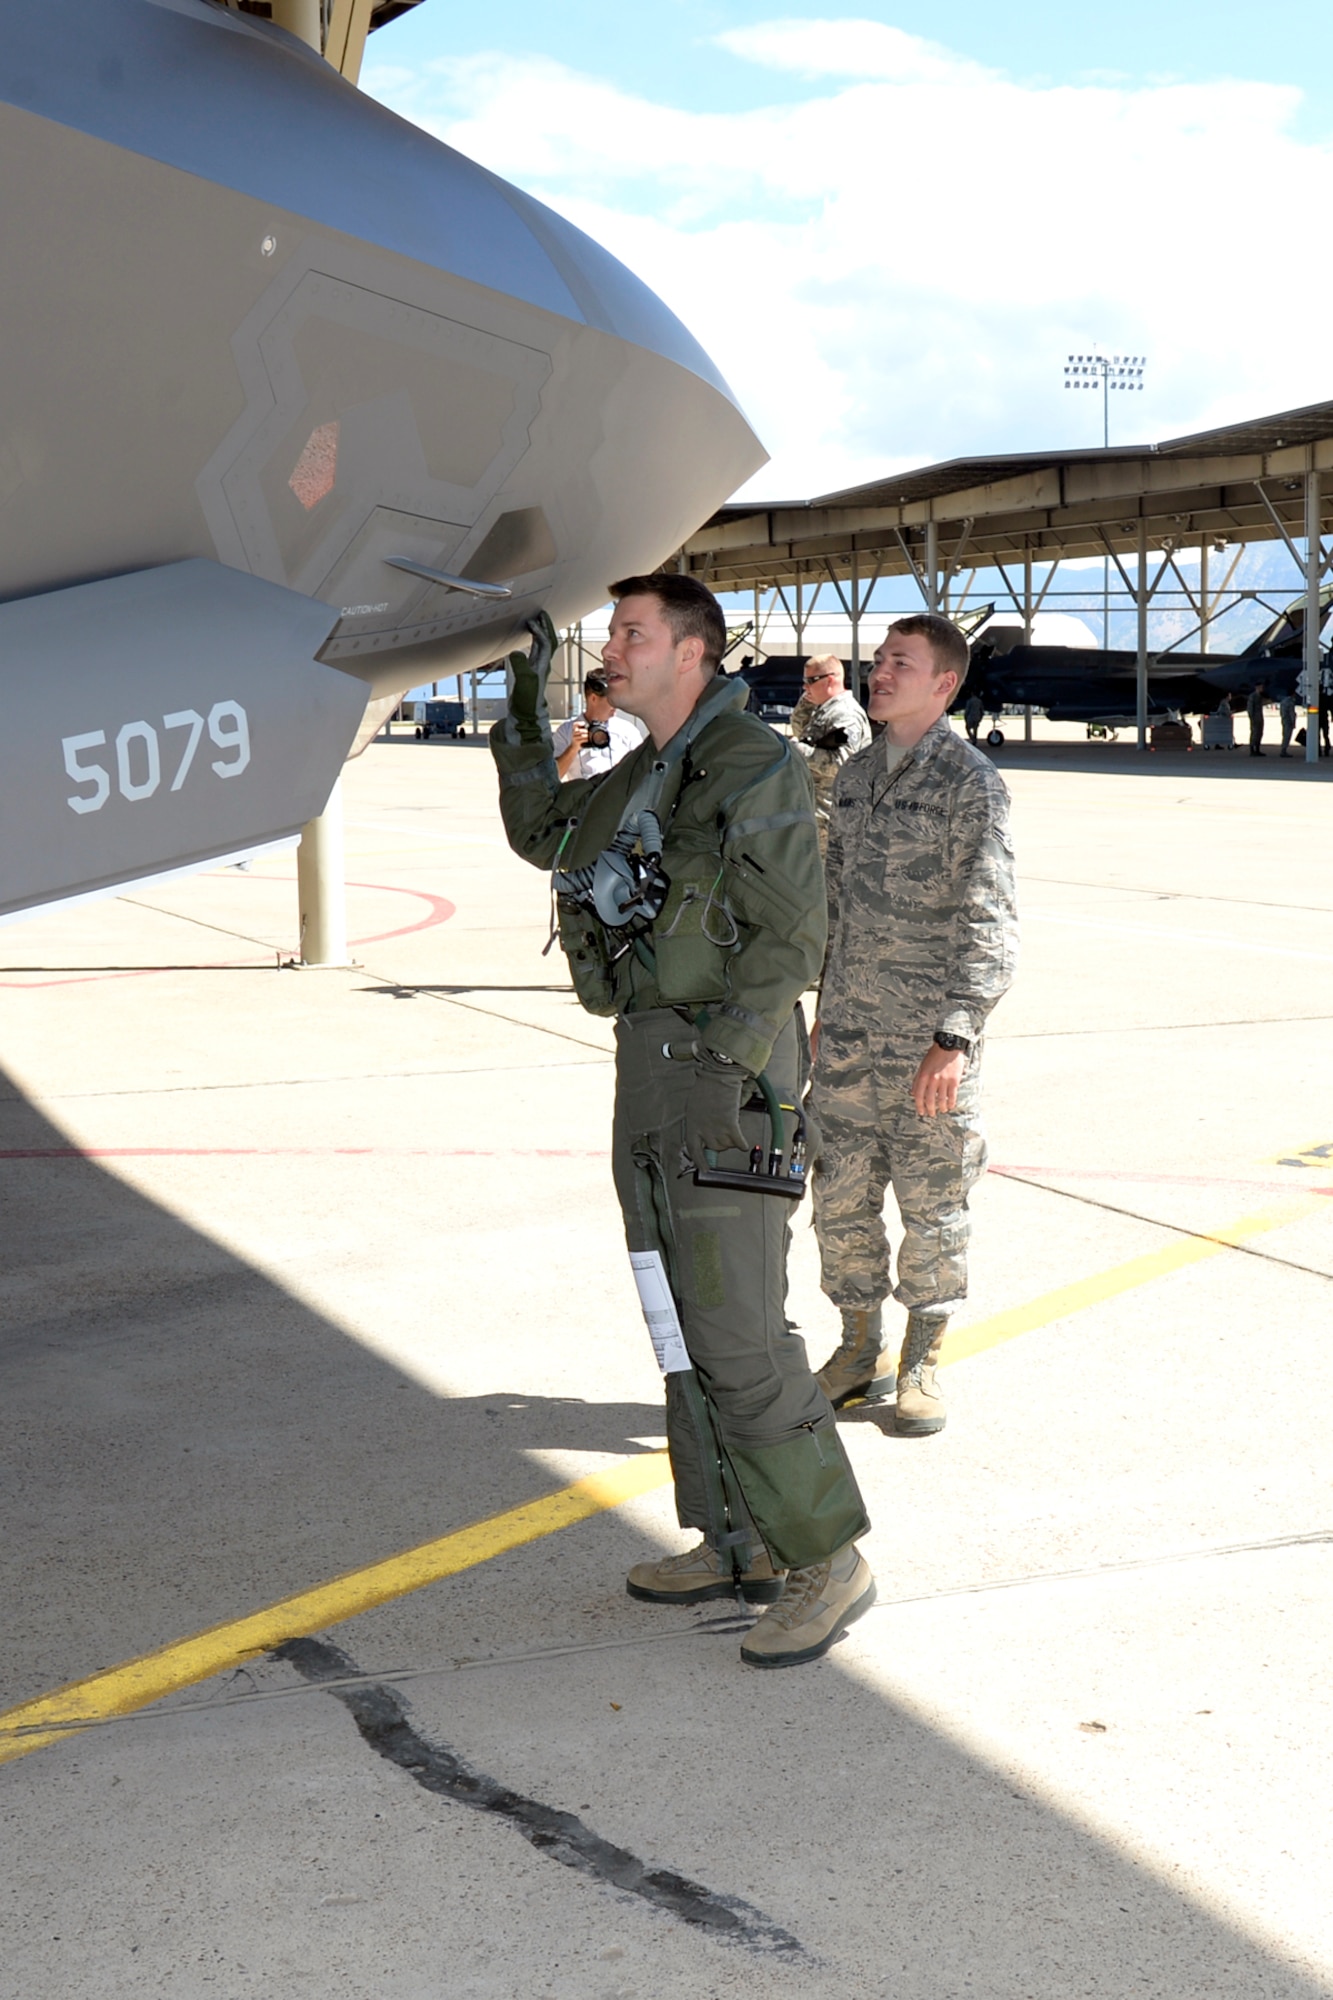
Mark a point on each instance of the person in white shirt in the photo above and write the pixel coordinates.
(587, 745)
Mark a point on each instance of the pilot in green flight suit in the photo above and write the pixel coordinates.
(690, 904)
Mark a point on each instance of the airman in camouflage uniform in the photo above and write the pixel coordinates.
(828, 725)
(923, 942)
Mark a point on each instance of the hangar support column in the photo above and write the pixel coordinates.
(932, 566)
(1314, 570)
(1141, 665)
(857, 689)
(1027, 632)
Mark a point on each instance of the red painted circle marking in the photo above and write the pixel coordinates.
(441, 909)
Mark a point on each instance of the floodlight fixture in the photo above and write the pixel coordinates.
(1123, 372)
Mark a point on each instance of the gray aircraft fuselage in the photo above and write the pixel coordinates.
(252, 319)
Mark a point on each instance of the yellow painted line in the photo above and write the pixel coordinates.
(137, 1683)
(1085, 1292)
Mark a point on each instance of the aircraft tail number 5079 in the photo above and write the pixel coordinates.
(138, 754)
(210, 702)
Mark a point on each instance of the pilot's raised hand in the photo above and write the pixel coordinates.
(527, 682)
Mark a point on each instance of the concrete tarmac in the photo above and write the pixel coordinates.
(302, 1270)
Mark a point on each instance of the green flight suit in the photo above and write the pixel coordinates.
(740, 936)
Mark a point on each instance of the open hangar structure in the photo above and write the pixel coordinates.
(1268, 479)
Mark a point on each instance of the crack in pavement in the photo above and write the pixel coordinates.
(1176, 1228)
(381, 1718)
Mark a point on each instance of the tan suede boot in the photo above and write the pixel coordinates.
(813, 1612)
(861, 1366)
(701, 1573)
(920, 1405)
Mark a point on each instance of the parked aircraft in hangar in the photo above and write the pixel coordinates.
(301, 408)
(1084, 684)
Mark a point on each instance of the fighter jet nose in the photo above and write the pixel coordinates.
(331, 351)
(609, 296)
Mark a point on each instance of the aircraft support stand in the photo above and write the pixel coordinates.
(1314, 572)
(301, 18)
(320, 871)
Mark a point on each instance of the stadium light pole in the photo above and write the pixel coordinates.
(1123, 372)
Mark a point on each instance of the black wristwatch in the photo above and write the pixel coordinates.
(943, 1041)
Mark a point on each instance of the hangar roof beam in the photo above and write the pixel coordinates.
(1241, 482)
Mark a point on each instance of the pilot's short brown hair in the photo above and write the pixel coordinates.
(689, 607)
(948, 647)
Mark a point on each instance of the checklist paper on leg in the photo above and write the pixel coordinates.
(659, 1309)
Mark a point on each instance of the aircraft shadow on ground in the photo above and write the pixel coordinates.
(187, 1441)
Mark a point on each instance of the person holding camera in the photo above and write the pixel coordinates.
(690, 902)
(589, 744)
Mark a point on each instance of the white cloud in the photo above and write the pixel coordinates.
(893, 269)
(856, 48)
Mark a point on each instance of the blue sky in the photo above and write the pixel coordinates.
(890, 243)
(671, 50)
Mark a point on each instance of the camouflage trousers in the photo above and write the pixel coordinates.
(871, 1137)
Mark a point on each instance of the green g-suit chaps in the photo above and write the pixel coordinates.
(754, 1448)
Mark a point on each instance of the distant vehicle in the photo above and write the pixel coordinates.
(439, 718)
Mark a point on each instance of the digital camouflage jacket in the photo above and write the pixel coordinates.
(923, 924)
(843, 713)
(742, 932)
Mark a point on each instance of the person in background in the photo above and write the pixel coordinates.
(1254, 708)
(1286, 708)
(588, 745)
(828, 725)
(973, 711)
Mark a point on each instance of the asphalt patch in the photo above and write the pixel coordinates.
(381, 1716)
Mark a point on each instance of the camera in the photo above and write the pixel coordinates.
(598, 736)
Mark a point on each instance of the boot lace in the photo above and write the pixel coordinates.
(699, 1557)
(803, 1589)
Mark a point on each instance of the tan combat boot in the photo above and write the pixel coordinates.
(813, 1612)
(701, 1573)
(920, 1405)
(861, 1366)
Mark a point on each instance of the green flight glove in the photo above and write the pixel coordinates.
(713, 1108)
(529, 718)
